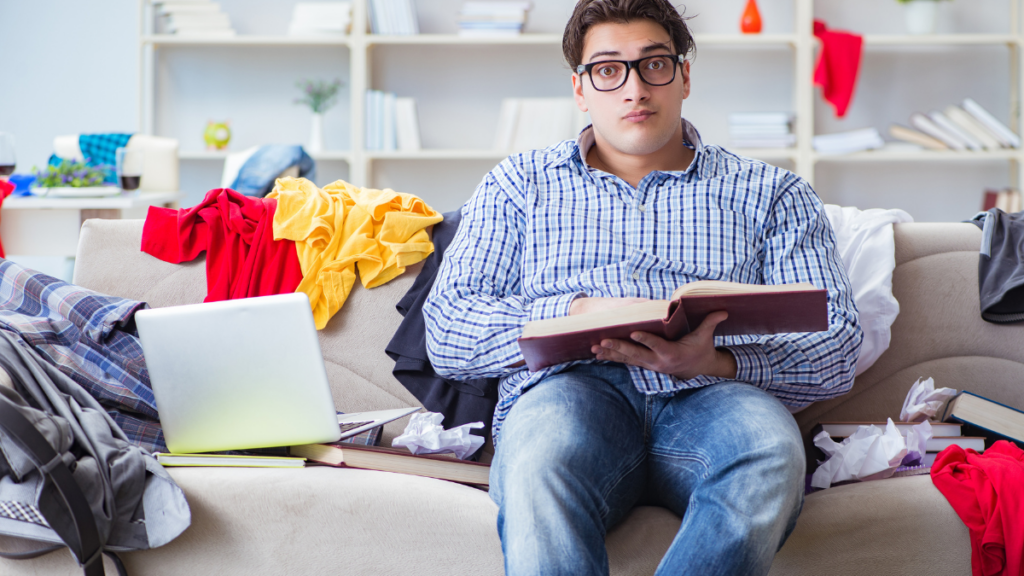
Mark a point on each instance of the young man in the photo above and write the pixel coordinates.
(632, 209)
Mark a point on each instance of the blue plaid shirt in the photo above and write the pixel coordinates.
(544, 228)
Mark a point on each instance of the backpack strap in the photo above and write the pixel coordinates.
(86, 545)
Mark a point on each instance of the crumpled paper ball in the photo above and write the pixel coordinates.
(868, 454)
(425, 435)
(923, 401)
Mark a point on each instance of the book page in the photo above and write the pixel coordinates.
(712, 287)
(640, 312)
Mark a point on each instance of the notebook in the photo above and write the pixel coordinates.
(240, 374)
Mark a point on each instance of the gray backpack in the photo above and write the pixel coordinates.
(68, 475)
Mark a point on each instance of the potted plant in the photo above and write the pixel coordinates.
(73, 178)
(921, 15)
(319, 96)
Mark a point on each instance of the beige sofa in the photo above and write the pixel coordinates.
(322, 520)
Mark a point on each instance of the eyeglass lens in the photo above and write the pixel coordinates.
(654, 70)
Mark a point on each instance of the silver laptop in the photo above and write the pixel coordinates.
(243, 374)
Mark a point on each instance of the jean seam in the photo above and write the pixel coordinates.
(605, 509)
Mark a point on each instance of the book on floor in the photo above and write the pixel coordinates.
(843, 429)
(226, 460)
(753, 309)
(395, 460)
(987, 415)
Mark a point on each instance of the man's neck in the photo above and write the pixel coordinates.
(674, 156)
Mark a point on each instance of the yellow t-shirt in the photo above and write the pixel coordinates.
(340, 228)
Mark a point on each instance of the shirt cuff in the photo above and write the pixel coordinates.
(553, 306)
(752, 365)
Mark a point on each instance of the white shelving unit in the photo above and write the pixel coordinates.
(802, 47)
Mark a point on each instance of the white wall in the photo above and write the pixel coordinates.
(75, 70)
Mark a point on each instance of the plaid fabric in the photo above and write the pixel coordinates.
(100, 149)
(23, 512)
(369, 437)
(88, 336)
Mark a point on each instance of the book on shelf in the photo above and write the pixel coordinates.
(228, 460)
(391, 122)
(320, 19)
(492, 18)
(849, 142)
(843, 429)
(753, 309)
(393, 17)
(762, 118)
(786, 141)
(1005, 136)
(914, 137)
(969, 124)
(395, 460)
(989, 200)
(986, 415)
(942, 121)
(535, 123)
(926, 125)
(1008, 200)
(761, 130)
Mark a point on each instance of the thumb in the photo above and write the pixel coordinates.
(711, 321)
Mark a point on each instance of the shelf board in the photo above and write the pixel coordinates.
(553, 39)
(888, 40)
(920, 156)
(436, 154)
(110, 202)
(220, 155)
(766, 153)
(745, 39)
(243, 40)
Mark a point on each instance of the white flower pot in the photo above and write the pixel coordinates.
(922, 16)
(316, 134)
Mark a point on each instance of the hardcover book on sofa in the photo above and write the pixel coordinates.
(981, 414)
(395, 460)
(752, 308)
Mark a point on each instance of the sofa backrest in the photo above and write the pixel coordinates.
(939, 332)
(110, 261)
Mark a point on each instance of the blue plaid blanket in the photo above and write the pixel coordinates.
(101, 149)
(88, 336)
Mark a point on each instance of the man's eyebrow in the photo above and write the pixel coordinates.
(645, 50)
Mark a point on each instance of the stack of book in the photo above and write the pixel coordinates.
(761, 130)
(961, 128)
(391, 122)
(393, 17)
(320, 19)
(192, 18)
(849, 142)
(944, 434)
(492, 18)
(534, 123)
(1008, 200)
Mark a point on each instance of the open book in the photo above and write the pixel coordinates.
(752, 308)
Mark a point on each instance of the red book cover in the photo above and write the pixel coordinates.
(989, 202)
(749, 313)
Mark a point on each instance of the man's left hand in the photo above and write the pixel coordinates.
(690, 356)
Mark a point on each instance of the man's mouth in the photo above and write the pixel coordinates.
(638, 115)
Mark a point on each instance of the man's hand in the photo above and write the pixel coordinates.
(690, 356)
(584, 305)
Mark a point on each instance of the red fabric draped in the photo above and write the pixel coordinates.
(987, 492)
(237, 234)
(838, 65)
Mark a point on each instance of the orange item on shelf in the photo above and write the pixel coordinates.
(751, 21)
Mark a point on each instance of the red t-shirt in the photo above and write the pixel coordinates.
(987, 492)
(237, 234)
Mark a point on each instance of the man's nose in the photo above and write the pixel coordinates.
(635, 89)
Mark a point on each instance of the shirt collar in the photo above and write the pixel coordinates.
(586, 140)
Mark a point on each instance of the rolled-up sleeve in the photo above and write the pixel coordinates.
(799, 246)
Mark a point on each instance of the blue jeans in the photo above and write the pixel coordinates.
(580, 449)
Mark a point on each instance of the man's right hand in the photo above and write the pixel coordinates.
(584, 305)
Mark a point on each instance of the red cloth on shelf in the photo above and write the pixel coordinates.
(987, 492)
(838, 65)
(237, 234)
(5, 190)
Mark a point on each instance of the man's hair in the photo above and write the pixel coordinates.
(589, 13)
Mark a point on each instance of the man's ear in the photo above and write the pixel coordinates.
(577, 92)
(686, 79)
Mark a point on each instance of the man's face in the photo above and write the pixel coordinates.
(637, 118)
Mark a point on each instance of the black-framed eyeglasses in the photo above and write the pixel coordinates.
(611, 75)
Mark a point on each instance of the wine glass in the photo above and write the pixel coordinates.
(129, 168)
(6, 154)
